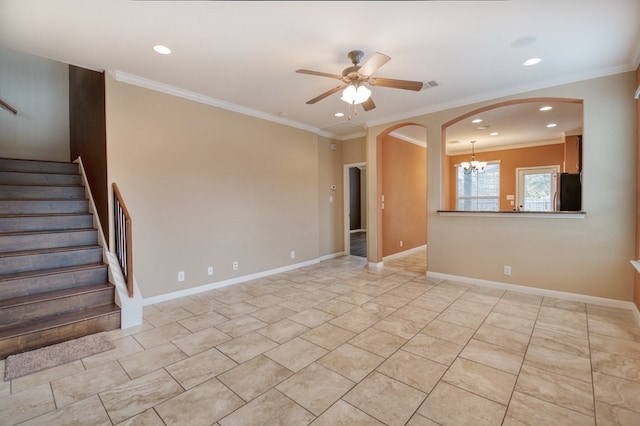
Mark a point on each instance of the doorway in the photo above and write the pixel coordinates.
(355, 202)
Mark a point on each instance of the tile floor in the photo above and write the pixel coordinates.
(339, 343)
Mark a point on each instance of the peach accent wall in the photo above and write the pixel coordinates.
(404, 186)
(510, 159)
(636, 290)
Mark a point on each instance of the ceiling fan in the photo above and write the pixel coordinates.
(355, 77)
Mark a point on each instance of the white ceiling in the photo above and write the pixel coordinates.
(243, 55)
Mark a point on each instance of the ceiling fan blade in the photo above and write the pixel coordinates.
(325, 94)
(368, 104)
(321, 74)
(396, 84)
(375, 62)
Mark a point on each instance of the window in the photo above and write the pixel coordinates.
(478, 192)
(536, 188)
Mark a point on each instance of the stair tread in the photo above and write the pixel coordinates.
(54, 321)
(48, 250)
(51, 295)
(43, 272)
(46, 231)
(47, 185)
(26, 215)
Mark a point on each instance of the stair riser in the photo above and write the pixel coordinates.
(35, 311)
(36, 262)
(43, 206)
(45, 223)
(21, 242)
(37, 166)
(20, 178)
(26, 342)
(39, 284)
(29, 192)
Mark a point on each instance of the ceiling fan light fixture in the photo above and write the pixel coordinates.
(355, 95)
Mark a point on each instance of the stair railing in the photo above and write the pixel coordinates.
(123, 237)
(4, 105)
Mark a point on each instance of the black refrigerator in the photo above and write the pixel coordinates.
(569, 195)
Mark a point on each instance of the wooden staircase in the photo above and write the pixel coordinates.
(53, 282)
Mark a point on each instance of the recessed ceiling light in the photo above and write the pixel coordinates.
(163, 50)
(546, 108)
(551, 125)
(339, 114)
(531, 61)
(494, 134)
(477, 120)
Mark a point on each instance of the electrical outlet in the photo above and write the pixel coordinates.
(507, 270)
(401, 243)
(210, 270)
(293, 254)
(235, 265)
(180, 276)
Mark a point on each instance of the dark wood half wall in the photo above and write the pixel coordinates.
(87, 131)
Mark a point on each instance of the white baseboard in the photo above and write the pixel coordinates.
(331, 256)
(225, 283)
(614, 303)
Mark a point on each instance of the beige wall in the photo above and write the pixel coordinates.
(207, 187)
(354, 151)
(331, 202)
(587, 256)
(39, 89)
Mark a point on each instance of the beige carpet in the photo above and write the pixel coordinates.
(50, 356)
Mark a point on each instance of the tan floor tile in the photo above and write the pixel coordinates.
(283, 330)
(568, 305)
(355, 321)
(526, 410)
(515, 309)
(45, 376)
(611, 314)
(510, 322)
(296, 354)
(515, 296)
(77, 387)
(391, 300)
(485, 295)
(119, 333)
(202, 322)
(136, 396)
(354, 298)
(492, 355)
(487, 382)
(141, 363)
(320, 295)
(311, 317)
(448, 331)
(30, 403)
(386, 399)
(86, 412)
(560, 342)
(273, 314)
(201, 340)
(413, 370)
(299, 304)
(254, 377)
(345, 414)
(265, 301)
(160, 335)
(435, 349)
(350, 361)
(562, 390)
(570, 327)
(378, 342)
(146, 418)
(246, 347)
(471, 306)
(199, 368)
(614, 329)
(315, 388)
(513, 340)
(335, 307)
(430, 304)
(450, 405)
(231, 296)
(123, 347)
(415, 314)
(612, 415)
(444, 294)
(328, 336)
(616, 365)
(616, 391)
(398, 326)
(271, 408)
(562, 363)
(462, 318)
(418, 420)
(237, 310)
(614, 345)
(241, 326)
(159, 318)
(202, 405)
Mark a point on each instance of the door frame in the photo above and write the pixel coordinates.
(555, 170)
(347, 204)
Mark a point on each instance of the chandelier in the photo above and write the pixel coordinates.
(473, 166)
